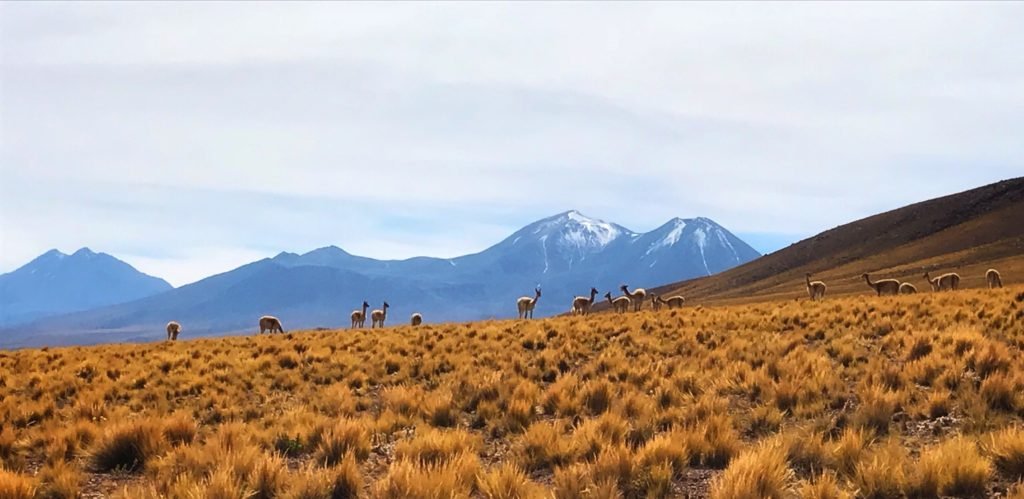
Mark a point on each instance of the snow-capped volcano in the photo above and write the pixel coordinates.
(574, 232)
(688, 247)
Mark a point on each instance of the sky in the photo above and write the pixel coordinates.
(190, 138)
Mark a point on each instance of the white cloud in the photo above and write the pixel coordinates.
(233, 130)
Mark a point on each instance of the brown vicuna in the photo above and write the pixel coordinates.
(907, 289)
(271, 324)
(525, 304)
(359, 316)
(945, 282)
(620, 304)
(670, 302)
(884, 286)
(993, 278)
(815, 289)
(637, 296)
(173, 329)
(377, 316)
(416, 319)
(581, 304)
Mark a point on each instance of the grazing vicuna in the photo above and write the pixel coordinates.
(815, 289)
(271, 324)
(359, 316)
(377, 316)
(670, 302)
(581, 304)
(907, 289)
(945, 282)
(173, 329)
(637, 296)
(416, 319)
(993, 279)
(525, 304)
(620, 304)
(884, 286)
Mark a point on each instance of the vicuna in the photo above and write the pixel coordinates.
(173, 329)
(377, 316)
(525, 304)
(884, 286)
(271, 324)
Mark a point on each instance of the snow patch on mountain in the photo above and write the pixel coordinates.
(582, 231)
(725, 242)
(575, 235)
(671, 238)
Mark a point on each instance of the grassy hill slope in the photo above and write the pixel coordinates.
(895, 396)
(967, 233)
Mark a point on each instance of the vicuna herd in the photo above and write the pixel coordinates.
(581, 305)
(945, 282)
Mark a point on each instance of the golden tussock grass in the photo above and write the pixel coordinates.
(760, 473)
(910, 396)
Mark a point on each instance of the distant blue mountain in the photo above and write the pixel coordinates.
(56, 283)
(565, 254)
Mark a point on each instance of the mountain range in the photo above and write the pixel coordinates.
(57, 283)
(565, 255)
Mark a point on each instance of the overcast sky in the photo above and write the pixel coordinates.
(190, 138)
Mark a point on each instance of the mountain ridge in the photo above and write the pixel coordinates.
(56, 283)
(964, 232)
(563, 253)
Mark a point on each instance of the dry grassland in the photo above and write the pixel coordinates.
(913, 396)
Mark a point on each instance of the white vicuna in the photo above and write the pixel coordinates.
(993, 279)
(815, 289)
(378, 316)
(637, 296)
(359, 316)
(526, 304)
(945, 282)
(581, 304)
(620, 304)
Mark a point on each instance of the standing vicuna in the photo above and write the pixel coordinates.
(581, 304)
(416, 319)
(377, 316)
(945, 282)
(637, 296)
(993, 279)
(815, 289)
(670, 302)
(271, 324)
(907, 289)
(173, 329)
(525, 304)
(359, 316)
(620, 304)
(884, 286)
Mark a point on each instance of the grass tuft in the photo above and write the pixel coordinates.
(129, 447)
(759, 473)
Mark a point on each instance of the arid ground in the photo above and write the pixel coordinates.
(910, 396)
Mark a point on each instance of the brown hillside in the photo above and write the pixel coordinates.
(966, 232)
